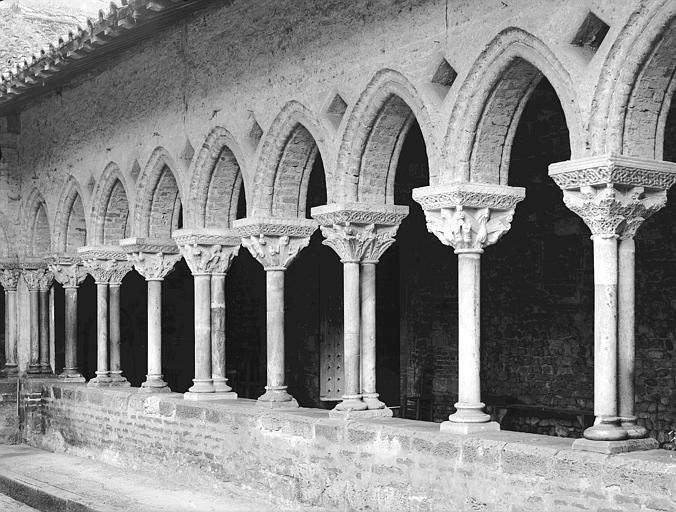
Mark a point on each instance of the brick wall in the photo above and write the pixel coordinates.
(371, 464)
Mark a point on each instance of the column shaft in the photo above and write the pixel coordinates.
(626, 353)
(11, 322)
(44, 331)
(352, 399)
(202, 381)
(218, 333)
(469, 407)
(605, 341)
(34, 366)
(154, 379)
(114, 335)
(71, 371)
(368, 336)
(102, 373)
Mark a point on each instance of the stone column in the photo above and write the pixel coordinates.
(469, 217)
(207, 251)
(35, 273)
(218, 366)
(360, 234)
(43, 292)
(9, 278)
(275, 243)
(154, 260)
(107, 265)
(613, 195)
(68, 271)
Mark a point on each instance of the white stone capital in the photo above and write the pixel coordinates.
(154, 259)
(208, 251)
(468, 216)
(275, 243)
(106, 264)
(9, 278)
(359, 232)
(67, 270)
(614, 194)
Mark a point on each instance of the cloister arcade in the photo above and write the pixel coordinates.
(321, 257)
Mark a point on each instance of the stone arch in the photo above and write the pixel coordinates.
(486, 112)
(37, 229)
(287, 154)
(111, 208)
(638, 78)
(217, 181)
(158, 198)
(6, 250)
(374, 135)
(70, 225)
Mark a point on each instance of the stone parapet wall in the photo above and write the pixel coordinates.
(377, 464)
(9, 418)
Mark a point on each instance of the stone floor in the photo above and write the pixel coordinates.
(50, 482)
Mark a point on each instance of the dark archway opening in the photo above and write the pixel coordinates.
(134, 328)
(537, 291)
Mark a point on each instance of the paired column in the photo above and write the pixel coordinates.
(209, 253)
(469, 217)
(275, 243)
(108, 266)
(68, 271)
(613, 195)
(154, 260)
(38, 279)
(9, 278)
(359, 234)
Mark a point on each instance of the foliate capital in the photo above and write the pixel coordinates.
(359, 232)
(208, 251)
(275, 243)
(468, 216)
(106, 264)
(67, 270)
(614, 194)
(153, 259)
(9, 278)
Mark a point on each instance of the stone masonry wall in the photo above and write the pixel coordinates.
(378, 464)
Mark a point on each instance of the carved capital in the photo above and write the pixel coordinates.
(614, 194)
(359, 232)
(153, 259)
(106, 264)
(208, 251)
(275, 243)
(9, 278)
(67, 270)
(469, 216)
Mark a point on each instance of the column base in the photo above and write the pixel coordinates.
(606, 429)
(201, 386)
(634, 430)
(71, 375)
(372, 402)
(351, 403)
(101, 380)
(154, 384)
(9, 372)
(612, 447)
(221, 385)
(211, 396)
(34, 368)
(276, 396)
(453, 427)
(469, 413)
(116, 379)
(336, 414)
(45, 368)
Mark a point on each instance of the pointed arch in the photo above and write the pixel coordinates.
(37, 229)
(288, 151)
(374, 135)
(158, 206)
(70, 224)
(217, 181)
(490, 101)
(110, 208)
(637, 81)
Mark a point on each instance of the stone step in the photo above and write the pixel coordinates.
(52, 482)
(8, 504)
